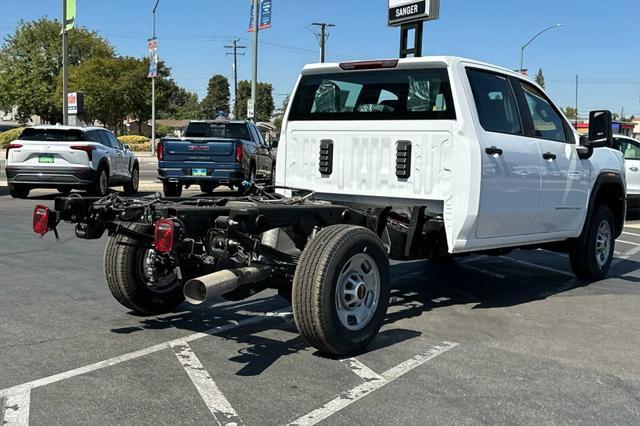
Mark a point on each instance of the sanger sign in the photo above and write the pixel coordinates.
(408, 11)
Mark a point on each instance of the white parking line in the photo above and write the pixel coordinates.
(628, 242)
(218, 405)
(359, 392)
(16, 408)
(631, 233)
(535, 265)
(361, 370)
(140, 353)
(626, 256)
(485, 271)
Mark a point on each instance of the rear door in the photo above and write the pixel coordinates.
(565, 177)
(511, 161)
(121, 160)
(110, 152)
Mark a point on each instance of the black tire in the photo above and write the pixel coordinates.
(172, 189)
(64, 190)
(19, 191)
(587, 261)
(100, 187)
(208, 188)
(315, 285)
(131, 187)
(123, 262)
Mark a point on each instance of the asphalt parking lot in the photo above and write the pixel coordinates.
(512, 339)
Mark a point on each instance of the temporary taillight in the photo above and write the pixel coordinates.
(159, 151)
(41, 220)
(13, 146)
(86, 148)
(239, 152)
(369, 65)
(163, 235)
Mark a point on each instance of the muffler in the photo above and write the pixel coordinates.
(205, 288)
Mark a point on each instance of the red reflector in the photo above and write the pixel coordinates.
(12, 146)
(86, 148)
(159, 151)
(163, 235)
(239, 152)
(41, 220)
(369, 65)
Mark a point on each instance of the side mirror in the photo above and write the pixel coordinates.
(600, 130)
(126, 147)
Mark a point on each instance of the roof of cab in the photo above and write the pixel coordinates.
(407, 63)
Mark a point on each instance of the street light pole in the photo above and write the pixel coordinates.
(65, 67)
(531, 40)
(256, 28)
(153, 90)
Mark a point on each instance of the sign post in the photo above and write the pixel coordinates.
(410, 15)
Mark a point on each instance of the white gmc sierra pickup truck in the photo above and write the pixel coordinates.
(423, 158)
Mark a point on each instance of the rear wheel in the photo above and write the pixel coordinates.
(19, 191)
(591, 259)
(341, 289)
(172, 189)
(138, 278)
(100, 186)
(131, 187)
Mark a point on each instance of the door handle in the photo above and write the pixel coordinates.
(492, 150)
(633, 169)
(549, 156)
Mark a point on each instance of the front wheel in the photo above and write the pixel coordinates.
(341, 289)
(591, 257)
(139, 278)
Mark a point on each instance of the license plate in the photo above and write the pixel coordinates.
(199, 172)
(45, 158)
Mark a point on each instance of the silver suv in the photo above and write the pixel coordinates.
(66, 158)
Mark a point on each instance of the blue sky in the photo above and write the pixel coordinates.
(600, 40)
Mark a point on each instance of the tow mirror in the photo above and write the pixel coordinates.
(600, 130)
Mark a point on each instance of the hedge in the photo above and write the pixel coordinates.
(134, 139)
(9, 136)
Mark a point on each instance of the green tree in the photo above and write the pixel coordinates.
(540, 78)
(31, 60)
(570, 112)
(217, 99)
(264, 106)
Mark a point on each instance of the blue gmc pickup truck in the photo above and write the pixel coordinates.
(214, 153)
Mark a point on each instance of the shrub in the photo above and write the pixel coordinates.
(141, 147)
(9, 136)
(133, 139)
(162, 131)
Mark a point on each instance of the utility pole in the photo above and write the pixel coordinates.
(254, 81)
(577, 82)
(322, 38)
(65, 67)
(235, 54)
(153, 89)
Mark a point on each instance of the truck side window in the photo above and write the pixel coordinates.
(547, 123)
(631, 150)
(495, 102)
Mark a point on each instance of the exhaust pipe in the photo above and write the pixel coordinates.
(203, 289)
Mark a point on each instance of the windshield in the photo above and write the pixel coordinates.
(52, 135)
(217, 130)
(375, 95)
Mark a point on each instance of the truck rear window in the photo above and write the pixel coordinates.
(217, 130)
(52, 135)
(421, 94)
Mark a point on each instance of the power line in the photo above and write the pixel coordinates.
(322, 37)
(234, 46)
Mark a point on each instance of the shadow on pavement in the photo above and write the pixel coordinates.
(4, 190)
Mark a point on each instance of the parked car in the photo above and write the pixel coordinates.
(213, 153)
(631, 150)
(420, 158)
(70, 157)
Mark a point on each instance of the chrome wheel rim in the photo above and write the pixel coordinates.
(603, 243)
(158, 281)
(104, 184)
(358, 292)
